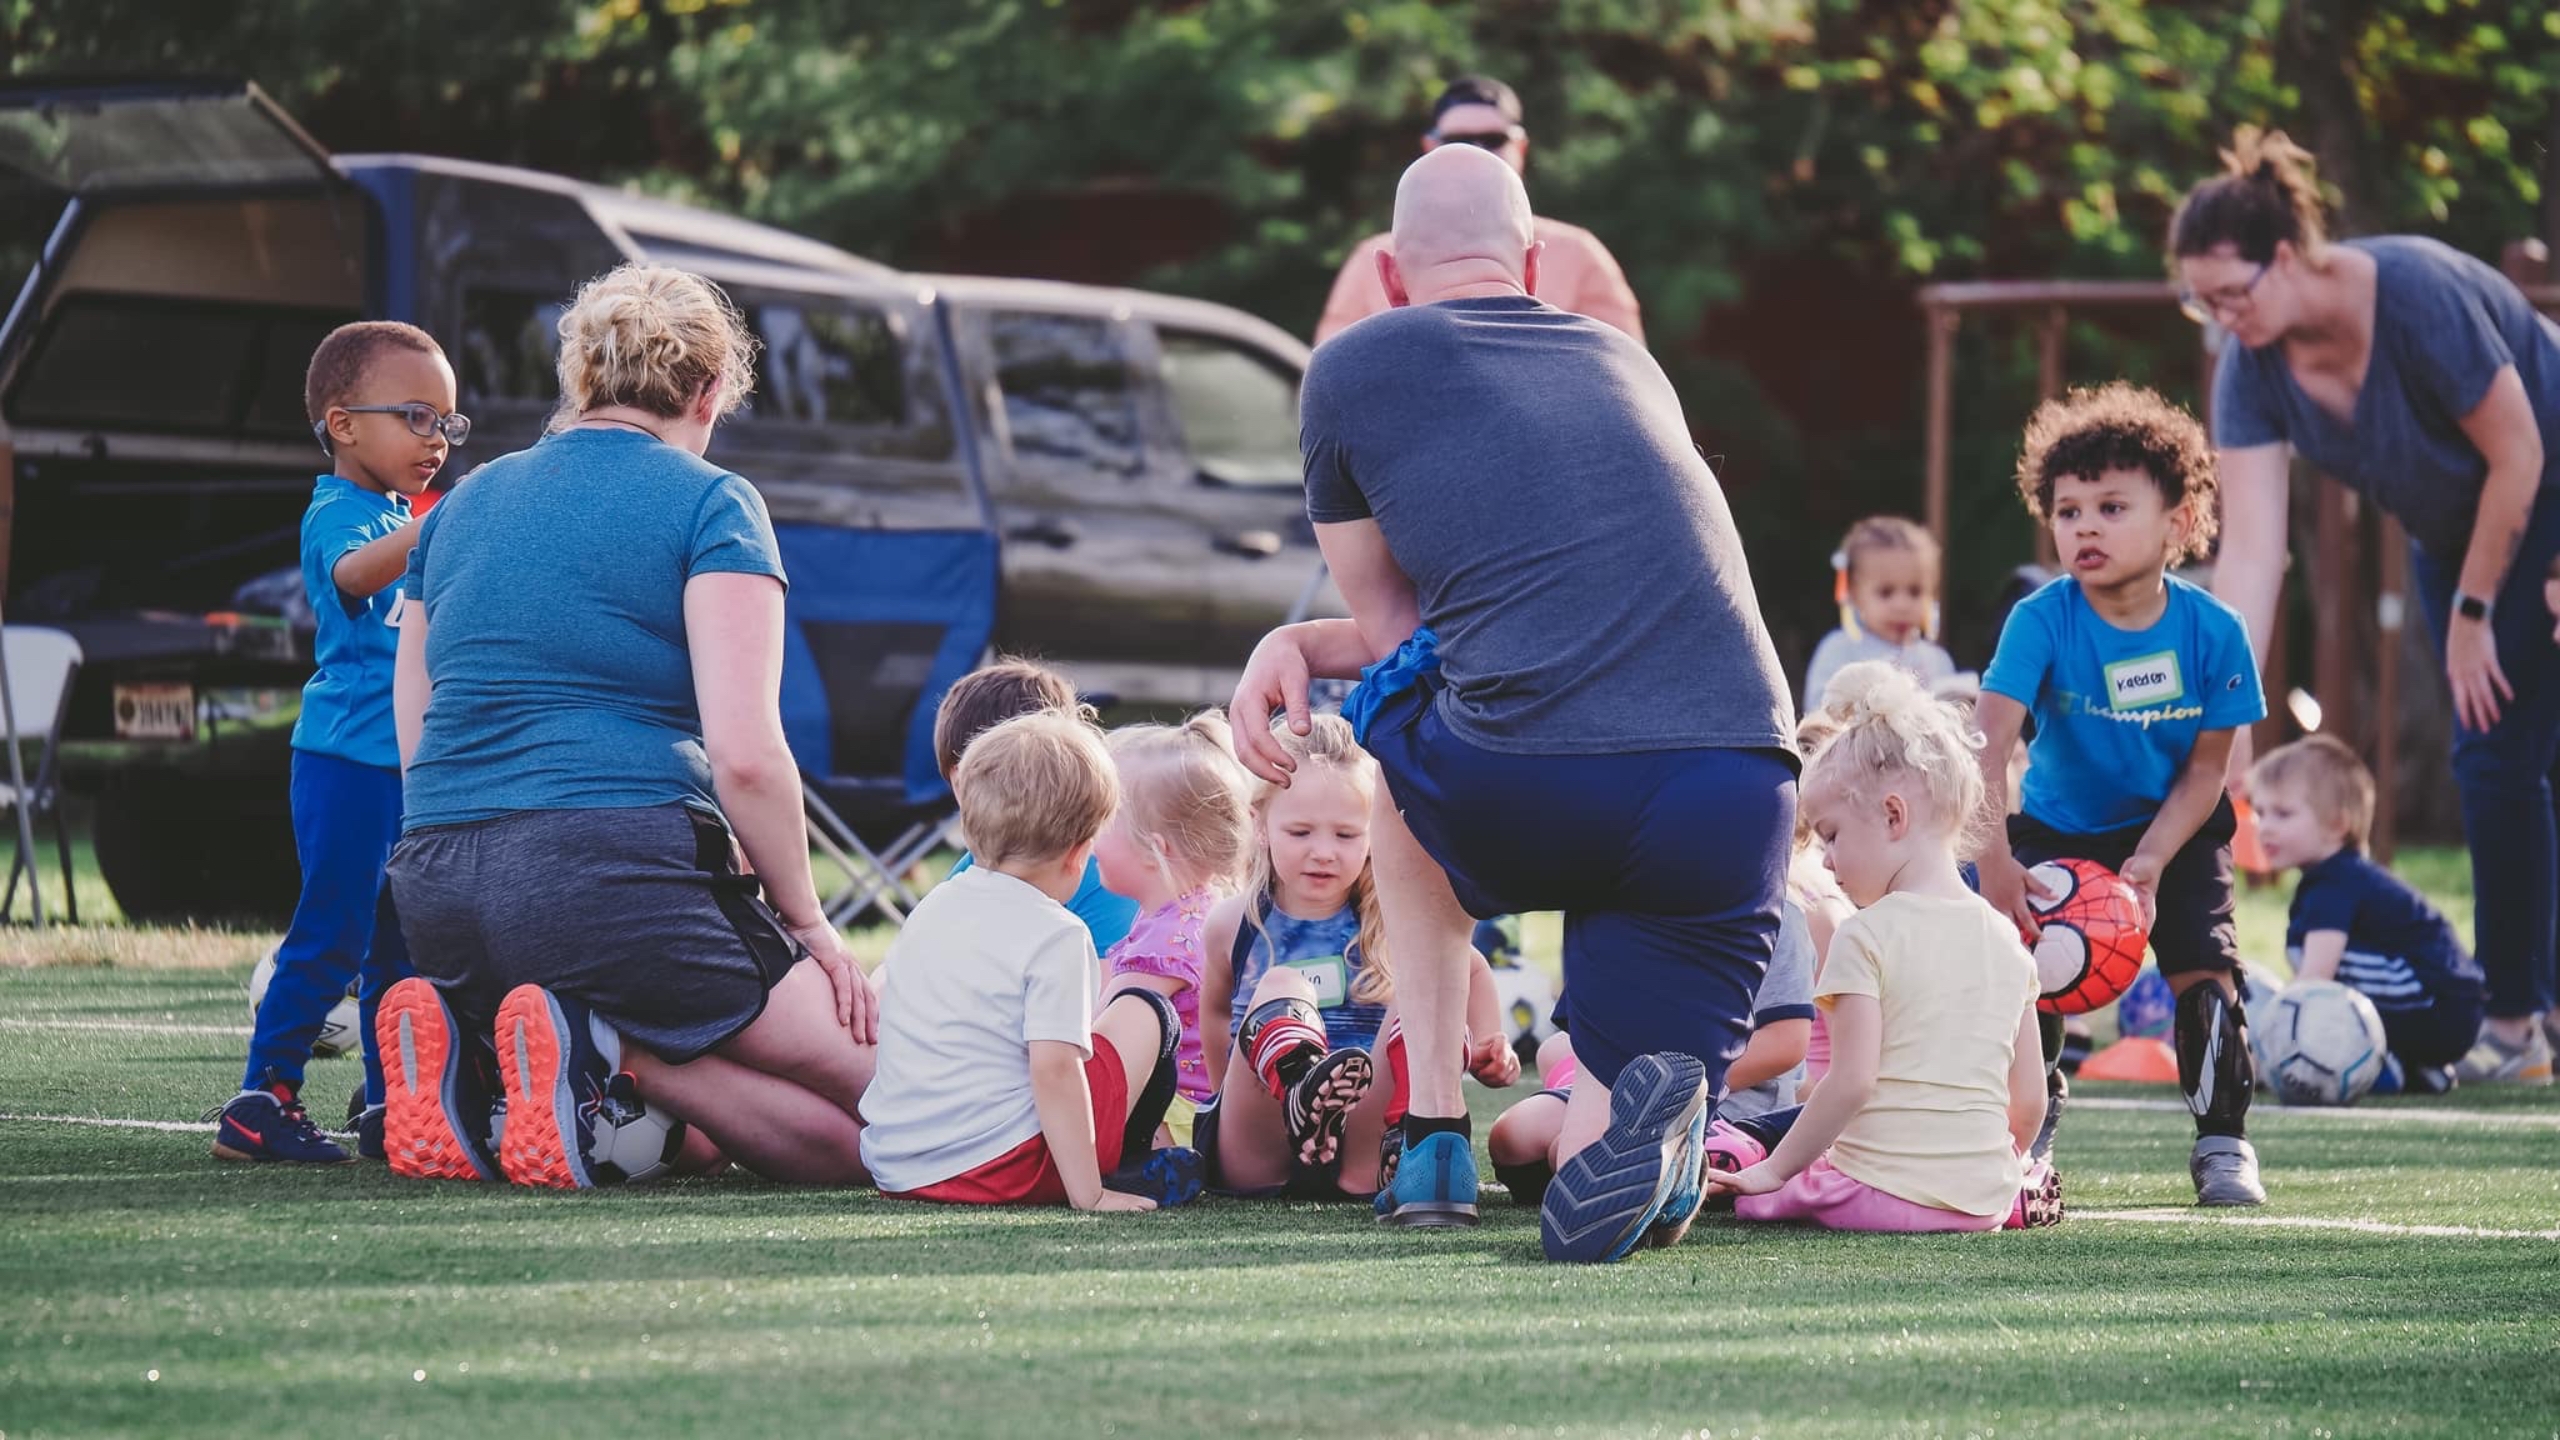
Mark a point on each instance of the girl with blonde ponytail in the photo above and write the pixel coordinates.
(1936, 1087)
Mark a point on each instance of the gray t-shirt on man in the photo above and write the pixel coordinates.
(1534, 477)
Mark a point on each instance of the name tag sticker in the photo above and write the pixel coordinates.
(1330, 976)
(2146, 680)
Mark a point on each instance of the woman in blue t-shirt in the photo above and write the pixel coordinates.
(588, 704)
(2425, 380)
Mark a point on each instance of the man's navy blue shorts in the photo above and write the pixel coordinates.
(1669, 866)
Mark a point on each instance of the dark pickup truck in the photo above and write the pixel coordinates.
(1137, 453)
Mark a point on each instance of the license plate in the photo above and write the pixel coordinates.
(155, 712)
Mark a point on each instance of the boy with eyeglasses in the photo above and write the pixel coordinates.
(380, 396)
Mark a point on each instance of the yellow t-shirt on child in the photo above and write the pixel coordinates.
(1950, 979)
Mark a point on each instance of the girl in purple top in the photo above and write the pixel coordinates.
(1177, 845)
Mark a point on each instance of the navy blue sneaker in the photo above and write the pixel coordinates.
(262, 1125)
(1608, 1196)
(1171, 1176)
(1434, 1185)
(557, 1061)
(365, 1123)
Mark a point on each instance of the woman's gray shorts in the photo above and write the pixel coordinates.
(641, 914)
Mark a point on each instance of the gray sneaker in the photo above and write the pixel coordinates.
(2493, 1061)
(2226, 1172)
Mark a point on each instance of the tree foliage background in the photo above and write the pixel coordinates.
(1777, 176)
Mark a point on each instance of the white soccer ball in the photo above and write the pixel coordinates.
(339, 1034)
(1528, 998)
(2258, 987)
(2319, 1043)
(631, 1141)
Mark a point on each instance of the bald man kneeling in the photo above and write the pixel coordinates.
(1569, 691)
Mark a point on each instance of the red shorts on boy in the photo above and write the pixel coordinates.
(1027, 1174)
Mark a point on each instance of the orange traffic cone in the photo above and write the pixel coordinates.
(2140, 1059)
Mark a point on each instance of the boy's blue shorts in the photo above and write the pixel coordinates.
(1669, 866)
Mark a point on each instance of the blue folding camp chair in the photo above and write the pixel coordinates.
(880, 623)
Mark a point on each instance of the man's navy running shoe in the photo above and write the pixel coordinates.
(1171, 1176)
(262, 1125)
(556, 1060)
(435, 1113)
(1434, 1185)
(368, 1127)
(1612, 1191)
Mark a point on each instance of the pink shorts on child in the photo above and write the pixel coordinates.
(1823, 1196)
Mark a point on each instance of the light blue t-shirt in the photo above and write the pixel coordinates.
(2117, 712)
(2444, 325)
(553, 585)
(346, 705)
(1105, 912)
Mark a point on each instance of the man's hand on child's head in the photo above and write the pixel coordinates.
(2143, 873)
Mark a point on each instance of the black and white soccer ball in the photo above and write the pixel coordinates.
(341, 1033)
(630, 1141)
(2318, 1043)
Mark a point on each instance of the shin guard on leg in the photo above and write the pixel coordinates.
(1147, 1107)
(1282, 1039)
(2214, 1068)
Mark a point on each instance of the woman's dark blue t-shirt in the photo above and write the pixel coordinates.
(2444, 325)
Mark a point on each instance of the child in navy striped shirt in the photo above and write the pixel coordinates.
(2357, 923)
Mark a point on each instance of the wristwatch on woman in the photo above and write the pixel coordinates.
(2470, 607)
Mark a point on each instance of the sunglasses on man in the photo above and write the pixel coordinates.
(421, 417)
(1482, 139)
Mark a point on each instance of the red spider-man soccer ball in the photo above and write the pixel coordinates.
(2093, 939)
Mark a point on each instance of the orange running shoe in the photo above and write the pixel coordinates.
(435, 1098)
(556, 1061)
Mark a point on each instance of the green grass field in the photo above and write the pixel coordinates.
(2405, 1279)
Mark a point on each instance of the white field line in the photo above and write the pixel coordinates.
(2314, 1222)
(180, 1127)
(108, 1122)
(121, 1027)
(2522, 1119)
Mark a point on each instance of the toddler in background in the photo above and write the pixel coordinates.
(1177, 846)
(1885, 577)
(2357, 923)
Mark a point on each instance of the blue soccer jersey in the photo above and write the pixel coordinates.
(2118, 712)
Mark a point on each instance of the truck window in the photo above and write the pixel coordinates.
(1237, 409)
(1066, 388)
(510, 348)
(162, 364)
(833, 364)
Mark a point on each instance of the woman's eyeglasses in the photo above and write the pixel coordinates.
(2205, 308)
(422, 419)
